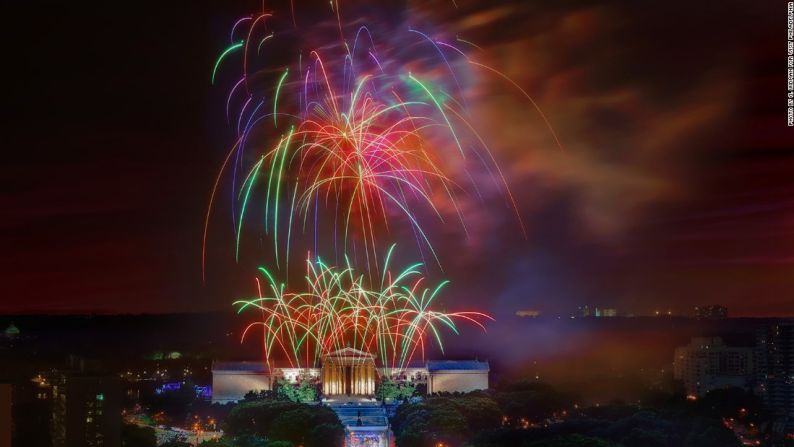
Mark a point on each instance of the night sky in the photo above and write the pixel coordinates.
(675, 188)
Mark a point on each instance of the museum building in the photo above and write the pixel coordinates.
(345, 374)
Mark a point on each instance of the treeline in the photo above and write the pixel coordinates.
(532, 414)
(261, 423)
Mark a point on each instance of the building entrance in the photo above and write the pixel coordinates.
(348, 372)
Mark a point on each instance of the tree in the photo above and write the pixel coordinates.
(176, 443)
(531, 400)
(305, 426)
(135, 436)
(254, 395)
(406, 391)
(387, 389)
(411, 425)
(445, 419)
(175, 403)
(307, 392)
(255, 417)
(279, 444)
(326, 434)
(291, 426)
(301, 392)
(391, 390)
(481, 412)
(732, 402)
(638, 437)
(222, 442)
(712, 437)
(240, 441)
(309, 425)
(448, 424)
(574, 440)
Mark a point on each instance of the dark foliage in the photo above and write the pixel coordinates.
(447, 419)
(177, 404)
(135, 436)
(296, 423)
(475, 419)
(531, 400)
(176, 444)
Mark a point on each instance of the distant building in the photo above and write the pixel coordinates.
(86, 407)
(344, 374)
(43, 389)
(712, 312)
(586, 311)
(456, 375)
(5, 415)
(232, 380)
(775, 373)
(11, 331)
(202, 392)
(707, 364)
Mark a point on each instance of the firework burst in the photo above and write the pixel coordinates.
(360, 136)
(391, 318)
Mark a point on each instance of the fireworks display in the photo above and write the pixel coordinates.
(365, 127)
(358, 135)
(392, 317)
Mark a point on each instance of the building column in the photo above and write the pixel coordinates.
(358, 379)
(325, 380)
(372, 378)
(365, 378)
(353, 369)
(362, 379)
(340, 382)
(369, 379)
(340, 379)
(332, 378)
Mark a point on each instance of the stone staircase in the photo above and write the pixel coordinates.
(371, 414)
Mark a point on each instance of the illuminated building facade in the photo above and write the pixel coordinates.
(609, 312)
(775, 374)
(347, 373)
(86, 408)
(712, 312)
(452, 375)
(231, 380)
(707, 363)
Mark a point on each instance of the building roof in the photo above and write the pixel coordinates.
(247, 366)
(457, 365)
(12, 330)
(349, 352)
(432, 366)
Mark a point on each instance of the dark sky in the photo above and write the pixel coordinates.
(675, 189)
